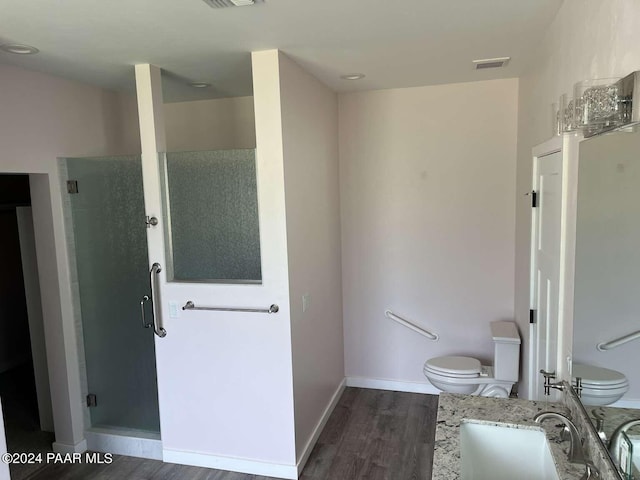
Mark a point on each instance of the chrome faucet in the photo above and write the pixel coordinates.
(614, 444)
(548, 384)
(576, 453)
(590, 472)
(599, 415)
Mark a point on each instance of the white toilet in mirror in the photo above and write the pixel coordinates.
(456, 374)
(600, 386)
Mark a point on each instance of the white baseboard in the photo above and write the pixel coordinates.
(394, 385)
(59, 447)
(302, 460)
(130, 443)
(627, 403)
(241, 465)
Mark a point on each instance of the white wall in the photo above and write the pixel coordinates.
(588, 39)
(128, 126)
(217, 124)
(269, 379)
(426, 188)
(310, 141)
(44, 117)
(225, 380)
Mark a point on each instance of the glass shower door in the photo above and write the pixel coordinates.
(110, 253)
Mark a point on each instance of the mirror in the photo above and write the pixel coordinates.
(607, 283)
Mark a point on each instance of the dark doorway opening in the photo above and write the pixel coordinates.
(18, 391)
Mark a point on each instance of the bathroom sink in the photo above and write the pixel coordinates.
(492, 452)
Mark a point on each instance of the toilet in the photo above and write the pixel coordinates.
(459, 374)
(600, 386)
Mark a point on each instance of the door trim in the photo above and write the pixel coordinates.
(568, 144)
(570, 149)
(550, 147)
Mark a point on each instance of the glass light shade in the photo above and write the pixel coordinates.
(556, 128)
(599, 104)
(568, 113)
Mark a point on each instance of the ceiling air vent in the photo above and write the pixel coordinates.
(491, 63)
(230, 3)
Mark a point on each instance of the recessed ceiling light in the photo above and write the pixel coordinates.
(491, 62)
(352, 76)
(19, 49)
(199, 85)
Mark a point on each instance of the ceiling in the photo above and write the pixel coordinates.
(396, 43)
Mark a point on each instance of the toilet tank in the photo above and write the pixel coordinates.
(506, 360)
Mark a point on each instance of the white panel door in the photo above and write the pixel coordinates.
(545, 267)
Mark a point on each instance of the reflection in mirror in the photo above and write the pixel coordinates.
(619, 431)
(607, 270)
(209, 175)
(607, 283)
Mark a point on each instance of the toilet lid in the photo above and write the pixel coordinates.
(455, 365)
(598, 376)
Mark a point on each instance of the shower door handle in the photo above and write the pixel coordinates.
(156, 313)
(144, 320)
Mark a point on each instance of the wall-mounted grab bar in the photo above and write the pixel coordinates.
(618, 341)
(272, 309)
(431, 336)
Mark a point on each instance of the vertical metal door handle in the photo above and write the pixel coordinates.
(144, 320)
(155, 301)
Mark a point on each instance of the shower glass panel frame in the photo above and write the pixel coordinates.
(108, 258)
(210, 211)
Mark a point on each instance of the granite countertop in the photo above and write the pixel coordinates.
(454, 408)
(613, 417)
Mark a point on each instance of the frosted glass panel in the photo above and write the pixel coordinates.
(110, 251)
(213, 209)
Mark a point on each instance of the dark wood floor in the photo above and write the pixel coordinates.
(372, 435)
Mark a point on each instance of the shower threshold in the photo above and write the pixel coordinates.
(123, 441)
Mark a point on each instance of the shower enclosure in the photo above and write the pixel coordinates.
(108, 248)
(210, 213)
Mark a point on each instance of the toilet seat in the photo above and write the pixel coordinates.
(454, 366)
(616, 386)
(600, 386)
(598, 378)
(603, 396)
